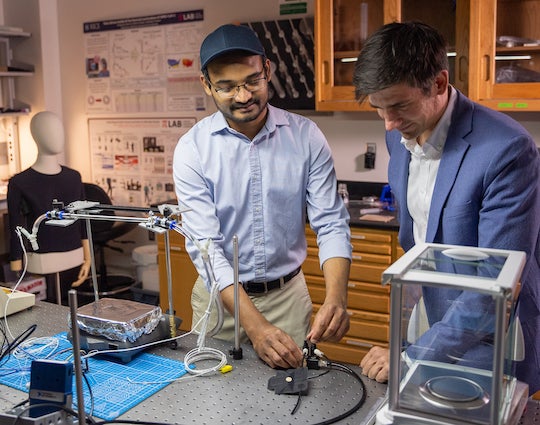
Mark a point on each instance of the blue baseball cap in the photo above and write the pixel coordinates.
(228, 38)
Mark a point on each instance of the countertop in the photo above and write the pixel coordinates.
(240, 396)
(357, 212)
(365, 195)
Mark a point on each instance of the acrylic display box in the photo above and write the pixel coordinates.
(454, 339)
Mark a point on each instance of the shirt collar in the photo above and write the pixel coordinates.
(276, 117)
(434, 145)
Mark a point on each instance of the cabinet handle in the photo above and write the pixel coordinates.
(486, 62)
(357, 257)
(361, 237)
(176, 248)
(463, 65)
(325, 72)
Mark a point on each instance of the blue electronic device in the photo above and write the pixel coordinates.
(51, 383)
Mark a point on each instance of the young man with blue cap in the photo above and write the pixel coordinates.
(255, 171)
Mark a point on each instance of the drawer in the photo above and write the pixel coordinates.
(357, 236)
(370, 236)
(367, 272)
(366, 325)
(311, 238)
(348, 350)
(361, 296)
(359, 271)
(369, 296)
(357, 257)
(342, 353)
(371, 247)
(369, 330)
(371, 258)
(311, 266)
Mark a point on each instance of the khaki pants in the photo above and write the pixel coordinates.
(289, 308)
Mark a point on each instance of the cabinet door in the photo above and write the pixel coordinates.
(504, 58)
(183, 275)
(341, 26)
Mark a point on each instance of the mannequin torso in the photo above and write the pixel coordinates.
(30, 194)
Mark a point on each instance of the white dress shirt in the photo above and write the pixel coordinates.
(423, 170)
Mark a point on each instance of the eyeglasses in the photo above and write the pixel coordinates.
(251, 86)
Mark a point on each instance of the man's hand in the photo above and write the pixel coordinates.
(332, 319)
(330, 324)
(276, 348)
(375, 364)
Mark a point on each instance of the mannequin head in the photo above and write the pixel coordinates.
(48, 133)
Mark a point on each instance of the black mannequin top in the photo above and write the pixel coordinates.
(30, 194)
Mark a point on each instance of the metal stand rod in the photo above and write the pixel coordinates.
(237, 350)
(72, 294)
(93, 260)
(169, 271)
(58, 289)
(172, 322)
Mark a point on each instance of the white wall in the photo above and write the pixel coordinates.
(347, 133)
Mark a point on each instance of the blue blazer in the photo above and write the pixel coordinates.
(487, 194)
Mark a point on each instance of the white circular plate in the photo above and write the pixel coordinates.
(465, 254)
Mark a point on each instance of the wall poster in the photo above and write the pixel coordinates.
(132, 157)
(146, 64)
(290, 47)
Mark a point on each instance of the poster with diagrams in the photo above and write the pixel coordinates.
(132, 157)
(143, 65)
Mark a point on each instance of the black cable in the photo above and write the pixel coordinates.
(17, 341)
(359, 403)
(313, 358)
(297, 405)
(319, 375)
(91, 394)
(4, 340)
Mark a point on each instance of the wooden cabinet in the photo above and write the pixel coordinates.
(493, 47)
(504, 58)
(341, 26)
(183, 274)
(368, 301)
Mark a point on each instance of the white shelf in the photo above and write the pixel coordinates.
(16, 74)
(14, 33)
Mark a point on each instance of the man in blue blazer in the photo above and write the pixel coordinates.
(461, 174)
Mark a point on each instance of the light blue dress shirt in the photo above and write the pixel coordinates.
(259, 190)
